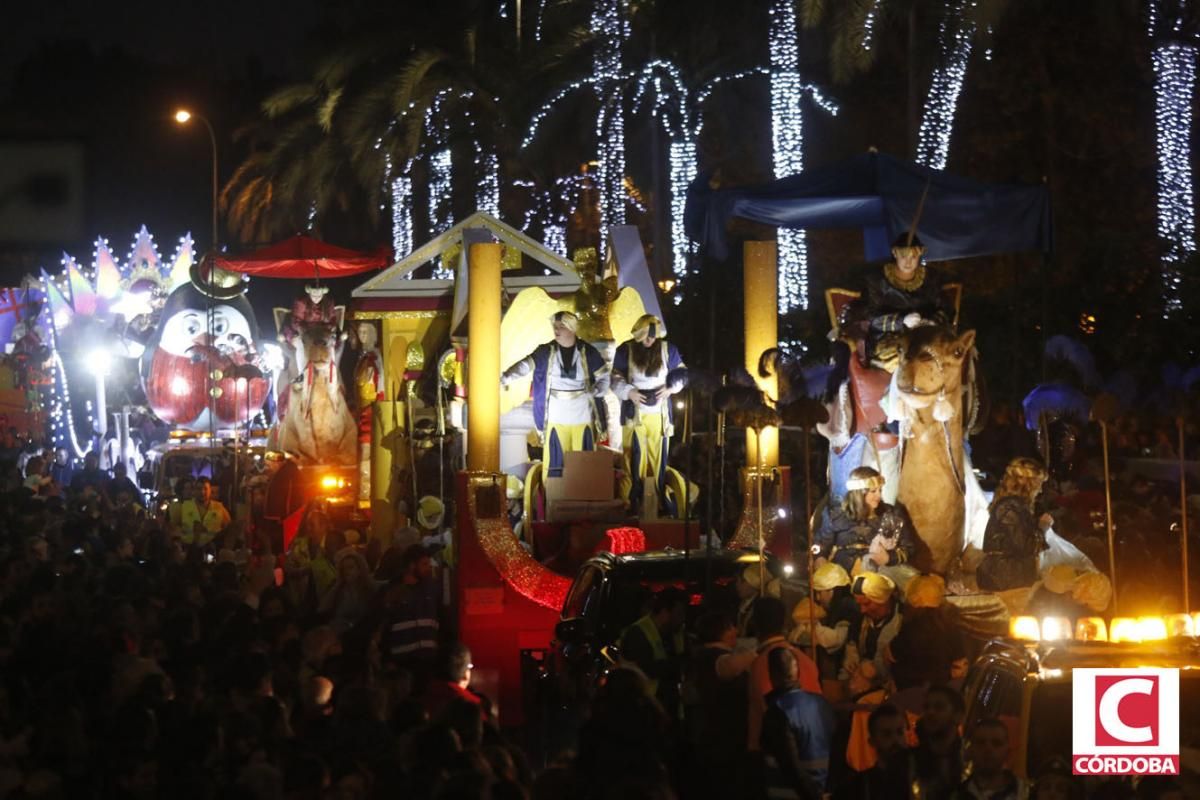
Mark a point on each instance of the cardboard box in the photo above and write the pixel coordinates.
(589, 475)
(586, 511)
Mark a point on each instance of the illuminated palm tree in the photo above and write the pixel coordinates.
(856, 28)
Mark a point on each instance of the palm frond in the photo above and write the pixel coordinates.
(290, 98)
(812, 12)
(327, 109)
(414, 77)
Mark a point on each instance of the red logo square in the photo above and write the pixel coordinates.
(1127, 710)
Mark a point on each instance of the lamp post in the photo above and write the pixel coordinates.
(183, 117)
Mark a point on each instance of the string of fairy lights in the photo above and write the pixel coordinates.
(956, 37)
(610, 23)
(658, 87)
(107, 289)
(1174, 60)
(787, 136)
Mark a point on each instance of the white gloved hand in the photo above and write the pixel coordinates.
(912, 320)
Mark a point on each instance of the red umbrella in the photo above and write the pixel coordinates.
(304, 257)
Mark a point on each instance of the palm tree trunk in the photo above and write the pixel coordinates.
(956, 37)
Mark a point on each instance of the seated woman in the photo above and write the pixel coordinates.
(1013, 538)
(865, 533)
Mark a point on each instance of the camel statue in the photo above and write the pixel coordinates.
(932, 396)
(318, 425)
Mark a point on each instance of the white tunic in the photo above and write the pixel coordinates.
(570, 402)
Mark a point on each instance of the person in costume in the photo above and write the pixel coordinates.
(1014, 538)
(646, 371)
(864, 533)
(902, 296)
(835, 614)
(569, 378)
(865, 665)
(314, 307)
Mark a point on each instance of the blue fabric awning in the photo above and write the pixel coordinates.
(879, 194)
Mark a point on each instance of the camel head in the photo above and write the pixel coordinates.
(317, 346)
(931, 365)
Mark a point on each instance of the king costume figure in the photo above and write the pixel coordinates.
(904, 295)
(569, 378)
(647, 371)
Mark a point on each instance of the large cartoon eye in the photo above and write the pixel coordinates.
(193, 325)
(220, 324)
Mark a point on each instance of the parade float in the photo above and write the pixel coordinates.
(442, 343)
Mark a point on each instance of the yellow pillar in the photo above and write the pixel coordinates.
(483, 358)
(761, 276)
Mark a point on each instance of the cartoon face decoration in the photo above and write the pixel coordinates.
(189, 327)
(187, 347)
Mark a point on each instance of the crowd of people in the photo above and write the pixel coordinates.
(173, 653)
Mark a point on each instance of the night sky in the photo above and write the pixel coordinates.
(108, 76)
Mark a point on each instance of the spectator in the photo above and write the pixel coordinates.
(451, 682)
(797, 729)
(202, 517)
(768, 621)
(936, 762)
(90, 476)
(654, 644)
(888, 778)
(719, 676)
(349, 600)
(120, 483)
(990, 778)
(413, 612)
(62, 471)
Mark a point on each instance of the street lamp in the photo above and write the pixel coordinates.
(99, 362)
(183, 117)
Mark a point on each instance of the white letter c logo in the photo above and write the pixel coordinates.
(1110, 716)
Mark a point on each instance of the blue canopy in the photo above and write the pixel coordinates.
(879, 194)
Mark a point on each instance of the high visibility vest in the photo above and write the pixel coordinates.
(650, 631)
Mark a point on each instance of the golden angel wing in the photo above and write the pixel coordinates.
(625, 311)
(526, 325)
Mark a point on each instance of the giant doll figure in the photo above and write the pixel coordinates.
(569, 379)
(204, 343)
(647, 370)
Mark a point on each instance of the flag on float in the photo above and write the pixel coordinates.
(15, 306)
(83, 296)
(108, 275)
(59, 307)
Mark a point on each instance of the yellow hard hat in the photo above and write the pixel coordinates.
(925, 591)
(874, 586)
(1093, 589)
(751, 576)
(430, 511)
(1059, 579)
(805, 608)
(829, 576)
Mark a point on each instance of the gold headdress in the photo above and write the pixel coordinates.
(648, 325)
(875, 481)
